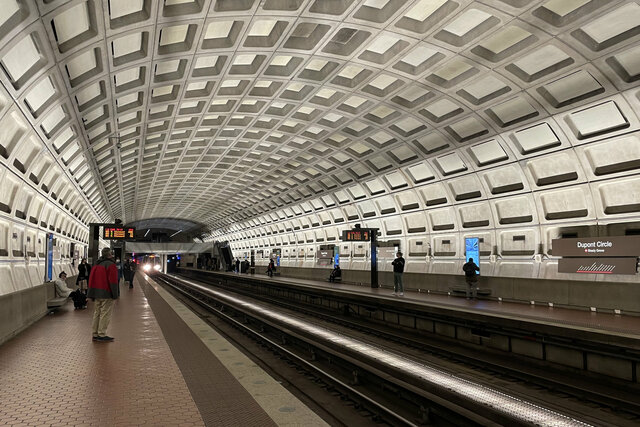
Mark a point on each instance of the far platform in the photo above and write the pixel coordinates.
(624, 328)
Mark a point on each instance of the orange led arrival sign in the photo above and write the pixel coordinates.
(356, 235)
(118, 233)
(359, 234)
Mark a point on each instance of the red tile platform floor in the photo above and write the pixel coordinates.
(53, 374)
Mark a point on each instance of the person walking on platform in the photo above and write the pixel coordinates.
(470, 276)
(128, 270)
(398, 270)
(271, 268)
(104, 290)
(84, 270)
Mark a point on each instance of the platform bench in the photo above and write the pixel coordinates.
(56, 302)
(335, 280)
(455, 291)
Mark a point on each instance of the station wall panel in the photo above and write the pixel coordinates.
(518, 242)
(393, 226)
(442, 219)
(515, 210)
(434, 195)
(445, 245)
(565, 204)
(506, 179)
(418, 246)
(619, 197)
(415, 223)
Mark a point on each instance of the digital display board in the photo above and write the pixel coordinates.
(356, 235)
(472, 250)
(118, 233)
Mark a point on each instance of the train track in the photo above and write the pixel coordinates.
(391, 396)
(617, 398)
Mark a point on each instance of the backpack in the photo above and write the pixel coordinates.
(79, 299)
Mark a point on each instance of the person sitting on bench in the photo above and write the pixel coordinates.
(61, 286)
(335, 274)
(78, 297)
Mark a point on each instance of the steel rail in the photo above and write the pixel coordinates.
(602, 398)
(362, 398)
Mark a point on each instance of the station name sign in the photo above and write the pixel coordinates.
(118, 233)
(324, 254)
(356, 235)
(618, 246)
(597, 265)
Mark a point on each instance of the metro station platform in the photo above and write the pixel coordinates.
(165, 367)
(573, 319)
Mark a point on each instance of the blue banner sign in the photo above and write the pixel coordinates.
(336, 260)
(49, 256)
(472, 250)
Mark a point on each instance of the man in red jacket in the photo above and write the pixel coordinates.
(104, 290)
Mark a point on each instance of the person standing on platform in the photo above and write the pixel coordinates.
(104, 290)
(128, 272)
(336, 273)
(271, 268)
(84, 270)
(398, 270)
(237, 265)
(470, 276)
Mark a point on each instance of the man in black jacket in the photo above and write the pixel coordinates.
(470, 269)
(398, 269)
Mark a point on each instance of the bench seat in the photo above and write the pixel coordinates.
(56, 302)
(463, 290)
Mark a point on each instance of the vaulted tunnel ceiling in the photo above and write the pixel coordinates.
(217, 111)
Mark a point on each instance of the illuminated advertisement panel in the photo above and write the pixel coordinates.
(472, 249)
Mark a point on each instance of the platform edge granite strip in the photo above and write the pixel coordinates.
(278, 403)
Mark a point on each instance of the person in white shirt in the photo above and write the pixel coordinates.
(61, 285)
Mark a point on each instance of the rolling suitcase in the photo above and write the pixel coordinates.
(79, 300)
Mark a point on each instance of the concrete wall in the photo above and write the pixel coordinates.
(21, 309)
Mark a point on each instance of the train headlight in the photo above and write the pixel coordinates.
(156, 267)
(146, 267)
